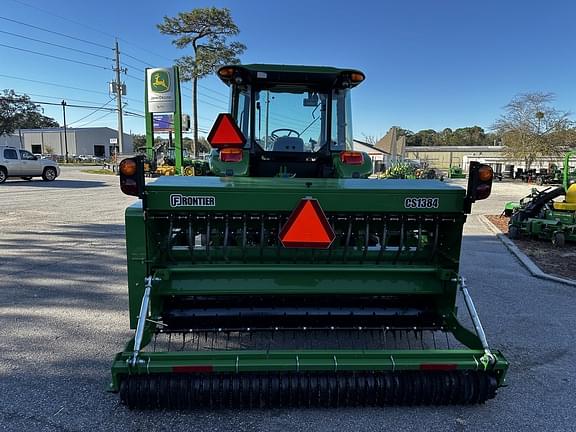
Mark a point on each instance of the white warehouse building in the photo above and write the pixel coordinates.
(96, 141)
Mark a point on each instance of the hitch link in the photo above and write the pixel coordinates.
(488, 358)
(144, 310)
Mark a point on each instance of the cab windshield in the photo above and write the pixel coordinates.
(301, 120)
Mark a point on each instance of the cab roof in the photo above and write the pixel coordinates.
(270, 74)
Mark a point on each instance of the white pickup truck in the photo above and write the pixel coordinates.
(21, 163)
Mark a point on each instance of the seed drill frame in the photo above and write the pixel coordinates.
(226, 315)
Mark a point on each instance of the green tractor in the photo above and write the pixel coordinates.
(456, 172)
(190, 165)
(539, 216)
(291, 279)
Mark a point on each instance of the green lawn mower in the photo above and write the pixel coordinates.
(539, 216)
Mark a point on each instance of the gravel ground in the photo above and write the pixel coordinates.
(551, 259)
(63, 310)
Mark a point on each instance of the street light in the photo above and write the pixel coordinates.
(65, 137)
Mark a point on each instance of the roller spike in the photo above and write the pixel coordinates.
(259, 390)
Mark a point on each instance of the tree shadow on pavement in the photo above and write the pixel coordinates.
(64, 184)
(80, 232)
(64, 315)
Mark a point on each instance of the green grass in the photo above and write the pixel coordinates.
(99, 171)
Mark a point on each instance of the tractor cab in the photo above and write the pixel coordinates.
(296, 122)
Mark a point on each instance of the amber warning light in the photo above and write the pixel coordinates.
(307, 227)
(225, 133)
(132, 176)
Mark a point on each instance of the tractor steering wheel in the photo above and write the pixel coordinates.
(274, 135)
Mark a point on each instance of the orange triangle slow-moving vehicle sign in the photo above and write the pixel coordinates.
(225, 133)
(307, 227)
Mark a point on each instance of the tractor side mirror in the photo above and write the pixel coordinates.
(311, 100)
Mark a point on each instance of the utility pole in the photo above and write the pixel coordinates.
(119, 89)
(65, 137)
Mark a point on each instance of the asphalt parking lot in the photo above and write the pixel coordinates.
(63, 315)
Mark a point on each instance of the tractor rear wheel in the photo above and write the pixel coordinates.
(189, 170)
(513, 232)
(558, 239)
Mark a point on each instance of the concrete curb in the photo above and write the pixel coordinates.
(522, 257)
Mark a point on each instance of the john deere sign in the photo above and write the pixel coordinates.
(160, 84)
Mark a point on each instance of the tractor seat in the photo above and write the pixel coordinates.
(569, 203)
(288, 144)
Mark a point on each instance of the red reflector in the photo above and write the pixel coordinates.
(192, 369)
(351, 158)
(438, 366)
(307, 227)
(231, 155)
(225, 133)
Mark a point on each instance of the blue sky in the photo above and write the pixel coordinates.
(429, 64)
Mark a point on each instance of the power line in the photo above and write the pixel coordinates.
(187, 95)
(71, 105)
(211, 104)
(137, 111)
(61, 17)
(56, 45)
(95, 43)
(95, 120)
(146, 49)
(134, 77)
(55, 57)
(92, 113)
(133, 100)
(101, 108)
(209, 89)
(84, 25)
(134, 114)
(137, 59)
(83, 52)
(58, 97)
(55, 32)
(128, 65)
(73, 100)
(225, 103)
(55, 85)
(183, 86)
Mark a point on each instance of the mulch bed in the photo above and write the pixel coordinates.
(550, 259)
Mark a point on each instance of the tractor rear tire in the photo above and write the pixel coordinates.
(189, 170)
(558, 239)
(513, 232)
